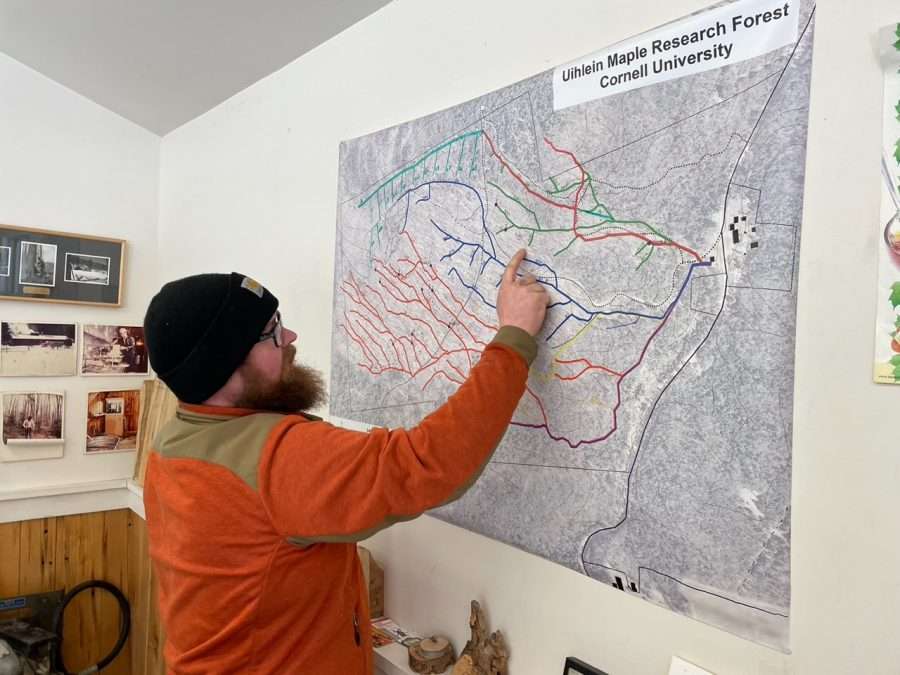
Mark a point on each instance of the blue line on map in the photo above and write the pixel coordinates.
(450, 255)
(558, 326)
(426, 198)
(471, 288)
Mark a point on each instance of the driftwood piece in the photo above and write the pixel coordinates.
(483, 654)
(431, 655)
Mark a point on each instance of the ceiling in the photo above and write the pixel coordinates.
(160, 63)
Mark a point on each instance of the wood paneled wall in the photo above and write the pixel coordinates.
(58, 553)
(147, 639)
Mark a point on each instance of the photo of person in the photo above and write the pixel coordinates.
(33, 418)
(37, 264)
(81, 268)
(112, 420)
(43, 349)
(113, 350)
(5, 258)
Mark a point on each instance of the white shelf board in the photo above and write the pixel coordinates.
(393, 659)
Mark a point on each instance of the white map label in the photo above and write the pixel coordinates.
(712, 39)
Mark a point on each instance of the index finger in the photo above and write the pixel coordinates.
(510, 274)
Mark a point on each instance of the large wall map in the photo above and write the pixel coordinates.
(652, 449)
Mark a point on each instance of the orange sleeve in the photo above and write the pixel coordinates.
(323, 483)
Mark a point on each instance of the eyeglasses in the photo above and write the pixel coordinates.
(275, 333)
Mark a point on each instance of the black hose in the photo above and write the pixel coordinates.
(124, 626)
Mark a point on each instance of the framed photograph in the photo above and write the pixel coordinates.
(92, 268)
(113, 350)
(42, 349)
(112, 421)
(33, 418)
(575, 666)
(87, 269)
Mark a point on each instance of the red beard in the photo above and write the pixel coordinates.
(300, 388)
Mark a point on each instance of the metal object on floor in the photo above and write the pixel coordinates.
(34, 629)
(9, 660)
(26, 628)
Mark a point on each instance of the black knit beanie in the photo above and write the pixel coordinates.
(200, 329)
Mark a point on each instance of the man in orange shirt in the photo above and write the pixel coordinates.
(254, 507)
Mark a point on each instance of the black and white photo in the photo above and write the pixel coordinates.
(37, 264)
(33, 417)
(43, 349)
(81, 268)
(5, 259)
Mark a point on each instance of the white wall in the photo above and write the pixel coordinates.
(67, 164)
(251, 186)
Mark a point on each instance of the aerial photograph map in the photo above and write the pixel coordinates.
(652, 448)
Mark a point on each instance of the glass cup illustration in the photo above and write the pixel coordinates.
(892, 238)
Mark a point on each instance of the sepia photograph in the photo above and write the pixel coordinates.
(37, 264)
(5, 258)
(113, 350)
(112, 421)
(33, 418)
(42, 349)
(81, 268)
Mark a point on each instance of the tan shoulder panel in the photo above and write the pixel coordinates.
(234, 443)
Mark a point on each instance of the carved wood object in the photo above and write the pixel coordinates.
(431, 655)
(483, 654)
